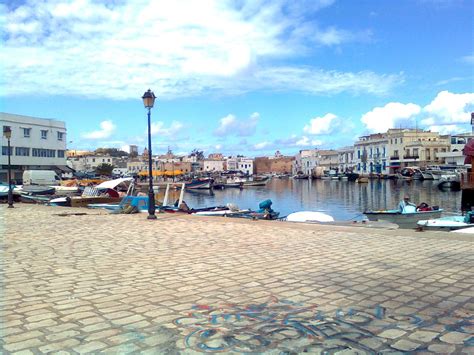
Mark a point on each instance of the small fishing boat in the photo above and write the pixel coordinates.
(448, 223)
(37, 190)
(449, 182)
(202, 183)
(407, 219)
(301, 176)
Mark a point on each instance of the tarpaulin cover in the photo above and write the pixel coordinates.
(468, 151)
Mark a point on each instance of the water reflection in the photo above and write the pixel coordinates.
(341, 199)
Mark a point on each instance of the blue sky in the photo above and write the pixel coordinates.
(238, 77)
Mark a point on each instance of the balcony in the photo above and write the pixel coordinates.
(394, 157)
(408, 156)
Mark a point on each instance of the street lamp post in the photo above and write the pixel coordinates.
(7, 132)
(149, 100)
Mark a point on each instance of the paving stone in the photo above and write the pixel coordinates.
(405, 345)
(392, 333)
(454, 337)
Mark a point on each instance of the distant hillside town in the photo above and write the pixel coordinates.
(38, 143)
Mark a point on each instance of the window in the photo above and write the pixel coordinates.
(61, 153)
(44, 153)
(26, 132)
(401, 140)
(415, 152)
(60, 136)
(5, 150)
(22, 151)
(395, 153)
(44, 134)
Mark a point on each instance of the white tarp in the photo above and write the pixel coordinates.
(112, 184)
(309, 216)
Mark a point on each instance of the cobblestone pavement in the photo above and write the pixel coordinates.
(83, 281)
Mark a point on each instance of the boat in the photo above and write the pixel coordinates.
(427, 175)
(110, 191)
(301, 176)
(201, 183)
(451, 181)
(37, 190)
(407, 219)
(362, 180)
(352, 176)
(468, 230)
(255, 181)
(448, 223)
(65, 190)
(309, 216)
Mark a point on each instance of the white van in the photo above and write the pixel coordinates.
(40, 177)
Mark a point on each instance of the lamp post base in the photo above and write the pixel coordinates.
(151, 216)
(11, 206)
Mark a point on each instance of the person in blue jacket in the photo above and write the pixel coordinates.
(404, 203)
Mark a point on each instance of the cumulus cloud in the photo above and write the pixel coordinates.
(230, 125)
(380, 119)
(320, 125)
(158, 128)
(449, 108)
(446, 129)
(105, 131)
(117, 49)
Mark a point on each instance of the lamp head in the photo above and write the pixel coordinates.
(7, 132)
(149, 99)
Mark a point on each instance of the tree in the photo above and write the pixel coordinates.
(104, 169)
(199, 154)
(114, 152)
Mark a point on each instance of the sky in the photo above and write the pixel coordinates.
(236, 76)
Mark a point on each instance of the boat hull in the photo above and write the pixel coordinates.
(403, 220)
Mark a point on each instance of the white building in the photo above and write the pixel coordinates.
(89, 163)
(36, 144)
(371, 154)
(213, 165)
(245, 165)
(346, 159)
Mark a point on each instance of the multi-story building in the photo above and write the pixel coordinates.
(371, 154)
(305, 161)
(415, 147)
(454, 156)
(346, 159)
(245, 165)
(89, 163)
(214, 165)
(36, 144)
(328, 159)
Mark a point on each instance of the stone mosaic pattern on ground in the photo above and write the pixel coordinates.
(100, 283)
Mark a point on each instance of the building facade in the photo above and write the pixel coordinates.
(36, 144)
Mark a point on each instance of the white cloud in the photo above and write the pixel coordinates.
(320, 125)
(445, 129)
(380, 119)
(262, 145)
(468, 59)
(449, 108)
(106, 130)
(230, 125)
(118, 49)
(158, 128)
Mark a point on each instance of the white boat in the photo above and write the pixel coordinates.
(468, 230)
(309, 216)
(65, 190)
(448, 223)
(406, 219)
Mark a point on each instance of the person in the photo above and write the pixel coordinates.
(404, 203)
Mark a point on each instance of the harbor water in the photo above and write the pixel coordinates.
(344, 200)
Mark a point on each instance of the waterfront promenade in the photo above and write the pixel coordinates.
(85, 281)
